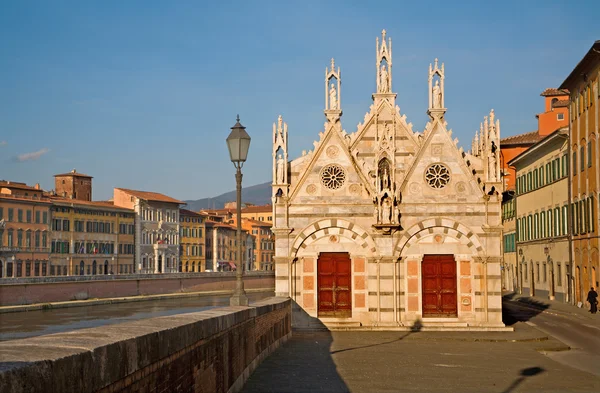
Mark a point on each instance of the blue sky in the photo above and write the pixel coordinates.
(141, 94)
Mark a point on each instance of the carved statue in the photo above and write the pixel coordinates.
(386, 180)
(436, 95)
(332, 97)
(280, 169)
(376, 210)
(384, 80)
(387, 211)
(492, 160)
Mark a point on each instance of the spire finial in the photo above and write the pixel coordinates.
(383, 33)
(238, 118)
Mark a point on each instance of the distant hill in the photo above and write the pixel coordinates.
(259, 194)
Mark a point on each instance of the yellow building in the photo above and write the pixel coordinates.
(542, 214)
(90, 238)
(584, 129)
(192, 230)
(509, 263)
(264, 243)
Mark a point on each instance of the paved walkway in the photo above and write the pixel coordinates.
(553, 306)
(419, 362)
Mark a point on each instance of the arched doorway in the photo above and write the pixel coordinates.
(105, 267)
(81, 268)
(94, 268)
(160, 263)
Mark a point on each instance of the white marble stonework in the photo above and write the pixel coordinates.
(389, 198)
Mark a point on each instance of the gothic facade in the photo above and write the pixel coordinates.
(388, 227)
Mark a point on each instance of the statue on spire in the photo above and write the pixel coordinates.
(384, 64)
(436, 90)
(333, 84)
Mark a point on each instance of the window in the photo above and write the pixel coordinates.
(529, 227)
(592, 214)
(575, 214)
(28, 214)
(589, 154)
(45, 217)
(565, 164)
(542, 176)
(581, 159)
(559, 275)
(37, 217)
(575, 162)
(537, 271)
(543, 228)
(10, 214)
(554, 171)
(536, 223)
(565, 217)
(560, 116)
(535, 179)
(19, 238)
(545, 272)
(548, 178)
(20, 215)
(549, 218)
(529, 182)
(557, 222)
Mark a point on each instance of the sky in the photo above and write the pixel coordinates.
(142, 94)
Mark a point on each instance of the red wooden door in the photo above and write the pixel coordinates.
(438, 277)
(334, 285)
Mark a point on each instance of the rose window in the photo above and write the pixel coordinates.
(437, 176)
(333, 176)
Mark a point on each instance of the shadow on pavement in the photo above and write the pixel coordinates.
(415, 328)
(520, 309)
(525, 373)
(303, 364)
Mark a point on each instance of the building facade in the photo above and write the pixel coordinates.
(542, 214)
(156, 228)
(192, 230)
(554, 117)
(91, 238)
(24, 231)
(386, 226)
(584, 128)
(264, 244)
(73, 185)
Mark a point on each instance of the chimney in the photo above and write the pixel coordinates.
(37, 186)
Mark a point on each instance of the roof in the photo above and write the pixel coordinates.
(185, 212)
(528, 138)
(19, 186)
(586, 64)
(78, 202)
(151, 196)
(247, 209)
(560, 104)
(560, 133)
(73, 173)
(549, 92)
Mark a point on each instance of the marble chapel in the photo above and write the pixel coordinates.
(386, 226)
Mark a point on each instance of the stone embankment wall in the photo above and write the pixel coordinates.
(56, 289)
(209, 351)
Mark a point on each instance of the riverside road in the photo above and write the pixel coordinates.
(36, 323)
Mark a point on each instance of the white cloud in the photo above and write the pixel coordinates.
(32, 156)
(3, 143)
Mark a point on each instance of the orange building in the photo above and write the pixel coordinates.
(264, 243)
(584, 176)
(555, 116)
(24, 230)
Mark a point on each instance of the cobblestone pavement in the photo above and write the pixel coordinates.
(419, 362)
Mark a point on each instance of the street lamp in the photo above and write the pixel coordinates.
(238, 143)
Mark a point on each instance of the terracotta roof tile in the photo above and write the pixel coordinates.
(151, 196)
(561, 104)
(185, 212)
(98, 204)
(73, 173)
(549, 92)
(18, 186)
(521, 139)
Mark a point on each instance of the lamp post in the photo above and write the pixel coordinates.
(238, 143)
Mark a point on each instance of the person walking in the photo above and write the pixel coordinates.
(592, 297)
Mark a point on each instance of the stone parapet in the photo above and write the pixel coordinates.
(212, 350)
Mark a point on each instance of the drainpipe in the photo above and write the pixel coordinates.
(378, 261)
(395, 293)
(570, 215)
